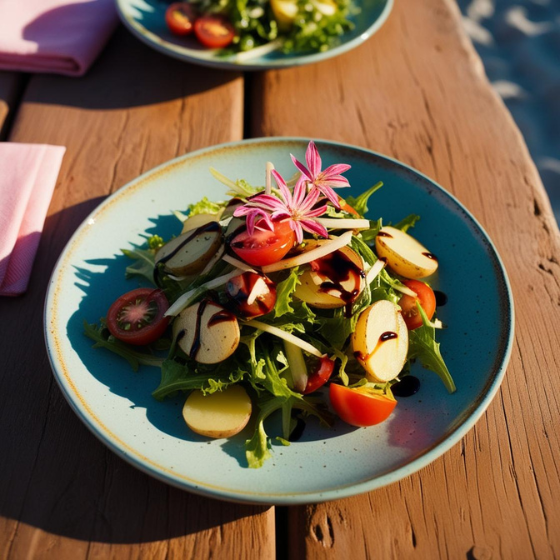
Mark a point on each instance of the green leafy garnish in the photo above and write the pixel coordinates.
(423, 346)
(360, 202)
(407, 223)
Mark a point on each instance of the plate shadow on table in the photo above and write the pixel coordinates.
(54, 474)
(126, 74)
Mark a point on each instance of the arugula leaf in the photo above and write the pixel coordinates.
(104, 339)
(284, 292)
(408, 222)
(205, 206)
(144, 265)
(422, 345)
(359, 203)
(369, 235)
(186, 377)
(257, 448)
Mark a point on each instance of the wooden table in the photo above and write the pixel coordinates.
(416, 91)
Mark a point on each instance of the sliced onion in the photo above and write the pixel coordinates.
(186, 298)
(374, 271)
(258, 51)
(297, 365)
(227, 182)
(269, 169)
(239, 264)
(404, 290)
(344, 223)
(319, 252)
(288, 337)
(437, 324)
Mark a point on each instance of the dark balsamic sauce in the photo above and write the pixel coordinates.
(210, 226)
(196, 340)
(408, 386)
(384, 234)
(338, 268)
(387, 335)
(441, 298)
(221, 316)
(430, 256)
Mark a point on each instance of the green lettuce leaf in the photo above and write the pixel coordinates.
(205, 206)
(360, 203)
(104, 339)
(408, 222)
(285, 291)
(423, 346)
(144, 263)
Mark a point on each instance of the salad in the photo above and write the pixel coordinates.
(280, 299)
(257, 27)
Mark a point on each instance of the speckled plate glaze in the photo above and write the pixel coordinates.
(145, 19)
(116, 404)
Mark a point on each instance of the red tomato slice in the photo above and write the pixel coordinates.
(264, 246)
(180, 18)
(252, 286)
(214, 31)
(320, 375)
(426, 298)
(137, 317)
(360, 407)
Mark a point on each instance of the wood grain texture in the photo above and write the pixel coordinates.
(10, 86)
(417, 91)
(62, 493)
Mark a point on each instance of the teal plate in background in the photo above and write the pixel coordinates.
(116, 404)
(146, 20)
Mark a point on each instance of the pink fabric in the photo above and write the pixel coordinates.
(58, 36)
(28, 174)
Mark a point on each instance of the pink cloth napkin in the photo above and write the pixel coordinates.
(28, 174)
(58, 36)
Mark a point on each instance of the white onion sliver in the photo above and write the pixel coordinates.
(257, 51)
(344, 223)
(297, 365)
(239, 264)
(374, 271)
(227, 182)
(213, 260)
(288, 337)
(404, 290)
(269, 168)
(319, 252)
(184, 300)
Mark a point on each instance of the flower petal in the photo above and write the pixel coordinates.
(300, 190)
(267, 200)
(310, 201)
(296, 228)
(335, 169)
(313, 159)
(316, 212)
(313, 227)
(330, 194)
(336, 181)
(301, 168)
(286, 194)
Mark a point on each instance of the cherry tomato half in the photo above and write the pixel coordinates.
(264, 246)
(214, 31)
(137, 317)
(320, 375)
(360, 407)
(180, 18)
(426, 298)
(253, 294)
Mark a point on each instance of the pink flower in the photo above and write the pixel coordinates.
(297, 208)
(326, 180)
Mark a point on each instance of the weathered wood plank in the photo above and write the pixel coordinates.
(417, 91)
(62, 493)
(10, 87)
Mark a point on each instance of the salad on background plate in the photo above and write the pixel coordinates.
(253, 34)
(281, 297)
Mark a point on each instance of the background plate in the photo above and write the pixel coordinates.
(116, 404)
(145, 19)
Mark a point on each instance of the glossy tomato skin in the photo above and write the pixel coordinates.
(320, 376)
(240, 288)
(426, 298)
(264, 246)
(143, 311)
(214, 31)
(360, 408)
(180, 18)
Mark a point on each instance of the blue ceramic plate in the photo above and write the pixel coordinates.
(116, 403)
(145, 19)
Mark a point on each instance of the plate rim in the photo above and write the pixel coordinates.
(184, 53)
(160, 472)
